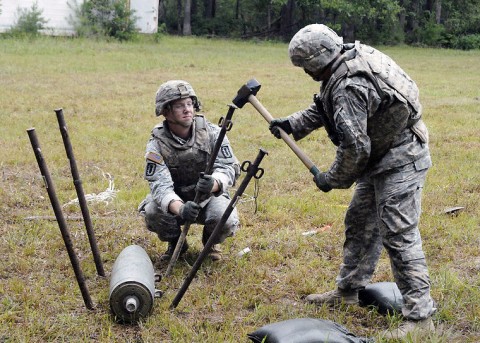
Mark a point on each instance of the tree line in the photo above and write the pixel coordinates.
(443, 23)
(437, 23)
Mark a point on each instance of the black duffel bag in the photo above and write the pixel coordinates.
(385, 296)
(305, 330)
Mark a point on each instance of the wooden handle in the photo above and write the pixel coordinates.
(290, 142)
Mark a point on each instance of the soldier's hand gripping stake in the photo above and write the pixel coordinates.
(226, 125)
(247, 94)
(252, 170)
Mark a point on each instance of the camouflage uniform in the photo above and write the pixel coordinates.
(172, 170)
(370, 110)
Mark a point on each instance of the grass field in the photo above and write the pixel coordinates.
(107, 93)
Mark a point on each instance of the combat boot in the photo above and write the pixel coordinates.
(423, 326)
(215, 254)
(167, 255)
(335, 297)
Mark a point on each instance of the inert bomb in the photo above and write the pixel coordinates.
(132, 285)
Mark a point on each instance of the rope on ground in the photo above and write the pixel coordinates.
(106, 196)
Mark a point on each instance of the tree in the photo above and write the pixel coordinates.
(179, 15)
(110, 18)
(429, 22)
(187, 27)
(287, 19)
(162, 11)
(29, 21)
(210, 7)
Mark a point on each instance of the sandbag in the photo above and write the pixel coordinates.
(305, 330)
(385, 296)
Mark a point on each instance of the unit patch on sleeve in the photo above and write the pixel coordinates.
(226, 151)
(154, 157)
(150, 169)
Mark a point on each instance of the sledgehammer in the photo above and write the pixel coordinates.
(247, 94)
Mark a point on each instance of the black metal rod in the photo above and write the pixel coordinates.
(57, 209)
(251, 172)
(208, 170)
(80, 194)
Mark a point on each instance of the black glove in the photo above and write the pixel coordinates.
(321, 181)
(282, 123)
(189, 211)
(205, 184)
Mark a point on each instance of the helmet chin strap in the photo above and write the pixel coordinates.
(325, 73)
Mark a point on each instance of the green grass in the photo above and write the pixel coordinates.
(107, 93)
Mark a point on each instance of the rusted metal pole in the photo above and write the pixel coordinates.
(80, 194)
(57, 209)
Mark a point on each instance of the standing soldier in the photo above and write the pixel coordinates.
(370, 109)
(177, 153)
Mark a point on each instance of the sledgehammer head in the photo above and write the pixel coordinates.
(250, 88)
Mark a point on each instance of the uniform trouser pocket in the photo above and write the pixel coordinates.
(165, 225)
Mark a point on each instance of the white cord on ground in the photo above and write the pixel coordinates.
(106, 196)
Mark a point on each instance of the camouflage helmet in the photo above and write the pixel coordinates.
(174, 90)
(314, 47)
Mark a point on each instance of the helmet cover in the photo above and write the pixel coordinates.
(314, 47)
(173, 90)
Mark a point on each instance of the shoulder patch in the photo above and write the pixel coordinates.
(226, 151)
(154, 157)
(150, 169)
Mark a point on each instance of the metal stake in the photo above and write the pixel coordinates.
(60, 218)
(252, 170)
(80, 194)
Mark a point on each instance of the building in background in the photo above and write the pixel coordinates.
(58, 14)
(146, 12)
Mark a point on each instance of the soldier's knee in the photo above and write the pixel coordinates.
(151, 209)
(232, 226)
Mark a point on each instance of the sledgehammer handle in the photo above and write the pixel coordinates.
(290, 142)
